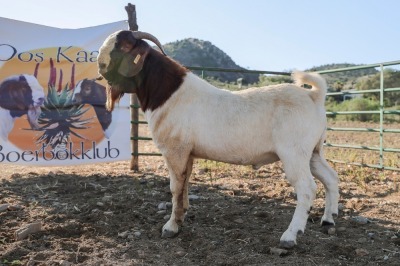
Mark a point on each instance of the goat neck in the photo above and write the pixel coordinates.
(159, 79)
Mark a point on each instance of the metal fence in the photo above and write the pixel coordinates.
(381, 112)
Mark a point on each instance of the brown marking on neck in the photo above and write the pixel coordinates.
(158, 80)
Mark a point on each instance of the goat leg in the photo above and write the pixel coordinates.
(179, 180)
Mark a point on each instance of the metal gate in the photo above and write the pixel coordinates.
(381, 150)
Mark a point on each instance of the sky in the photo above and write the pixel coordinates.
(271, 35)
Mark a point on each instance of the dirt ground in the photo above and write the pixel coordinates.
(107, 215)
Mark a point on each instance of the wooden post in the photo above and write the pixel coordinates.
(131, 10)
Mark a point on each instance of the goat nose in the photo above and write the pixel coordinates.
(40, 101)
(77, 98)
(102, 66)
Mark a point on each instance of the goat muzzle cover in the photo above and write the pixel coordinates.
(132, 62)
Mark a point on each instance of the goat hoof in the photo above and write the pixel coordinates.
(168, 234)
(287, 244)
(327, 224)
(170, 229)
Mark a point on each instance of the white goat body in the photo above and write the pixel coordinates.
(189, 118)
(246, 127)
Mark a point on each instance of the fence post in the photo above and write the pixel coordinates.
(131, 10)
(381, 118)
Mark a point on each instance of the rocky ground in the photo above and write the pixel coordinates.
(107, 215)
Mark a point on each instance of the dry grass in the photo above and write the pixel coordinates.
(369, 139)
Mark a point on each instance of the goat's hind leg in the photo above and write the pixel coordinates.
(329, 178)
(299, 175)
(179, 178)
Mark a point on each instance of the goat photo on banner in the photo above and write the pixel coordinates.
(19, 95)
(52, 110)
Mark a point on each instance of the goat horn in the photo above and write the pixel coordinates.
(144, 35)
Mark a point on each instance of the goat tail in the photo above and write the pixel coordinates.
(318, 83)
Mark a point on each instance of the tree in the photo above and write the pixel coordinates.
(391, 79)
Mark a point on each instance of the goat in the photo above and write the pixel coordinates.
(89, 92)
(190, 118)
(19, 95)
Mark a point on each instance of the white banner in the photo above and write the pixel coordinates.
(52, 110)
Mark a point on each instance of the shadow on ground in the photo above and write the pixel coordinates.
(105, 217)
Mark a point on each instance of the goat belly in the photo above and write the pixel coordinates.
(236, 156)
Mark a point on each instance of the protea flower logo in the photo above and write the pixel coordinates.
(61, 118)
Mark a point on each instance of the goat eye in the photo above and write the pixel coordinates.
(126, 47)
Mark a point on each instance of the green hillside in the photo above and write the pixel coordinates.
(195, 52)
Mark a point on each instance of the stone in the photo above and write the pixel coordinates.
(331, 231)
(51, 174)
(239, 221)
(202, 171)
(180, 253)
(65, 263)
(31, 263)
(4, 207)
(361, 252)
(278, 251)
(360, 220)
(362, 240)
(16, 175)
(193, 197)
(141, 254)
(15, 207)
(123, 234)
(106, 199)
(25, 231)
(162, 206)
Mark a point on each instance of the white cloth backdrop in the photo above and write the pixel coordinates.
(68, 134)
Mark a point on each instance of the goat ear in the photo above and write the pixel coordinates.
(19, 98)
(13, 96)
(131, 64)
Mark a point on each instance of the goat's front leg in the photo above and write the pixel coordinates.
(179, 179)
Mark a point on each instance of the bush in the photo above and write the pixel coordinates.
(358, 104)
